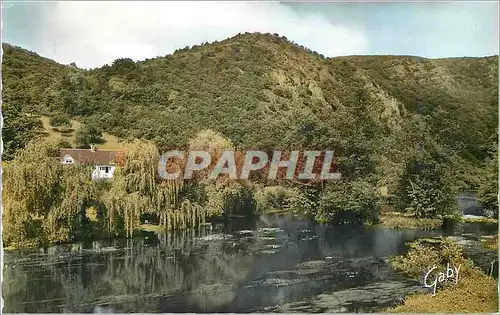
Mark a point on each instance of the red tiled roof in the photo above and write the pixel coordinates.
(87, 156)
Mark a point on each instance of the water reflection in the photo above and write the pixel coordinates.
(236, 267)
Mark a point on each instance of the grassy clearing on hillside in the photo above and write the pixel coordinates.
(110, 142)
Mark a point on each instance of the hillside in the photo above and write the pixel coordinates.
(261, 91)
(49, 132)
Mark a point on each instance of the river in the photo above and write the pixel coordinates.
(274, 264)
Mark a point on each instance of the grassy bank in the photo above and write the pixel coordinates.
(396, 220)
(475, 292)
(490, 242)
(479, 220)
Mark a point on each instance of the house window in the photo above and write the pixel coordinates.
(105, 169)
(68, 160)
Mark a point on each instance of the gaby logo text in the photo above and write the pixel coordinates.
(307, 165)
(441, 277)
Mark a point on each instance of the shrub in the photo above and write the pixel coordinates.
(283, 92)
(475, 292)
(394, 221)
(349, 202)
(277, 198)
(490, 242)
(472, 295)
(63, 129)
(60, 120)
(426, 253)
(63, 143)
(227, 198)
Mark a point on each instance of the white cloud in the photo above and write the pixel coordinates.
(95, 33)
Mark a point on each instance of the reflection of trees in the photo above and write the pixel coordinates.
(194, 270)
(131, 277)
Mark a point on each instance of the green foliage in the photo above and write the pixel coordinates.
(275, 198)
(475, 292)
(426, 253)
(225, 198)
(63, 144)
(472, 295)
(32, 187)
(136, 189)
(399, 221)
(59, 120)
(18, 129)
(67, 220)
(167, 99)
(87, 135)
(425, 190)
(264, 93)
(210, 141)
(48, 202)
(344, 202)
(488, 186)
(281, 198)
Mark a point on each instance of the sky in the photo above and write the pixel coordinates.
(92, 34)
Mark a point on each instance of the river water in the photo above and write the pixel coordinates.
(274, 264)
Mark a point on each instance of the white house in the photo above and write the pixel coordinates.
(104, 161)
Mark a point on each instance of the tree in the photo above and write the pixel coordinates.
(123, 66)
(425, 190)
(87, 135)
(31, 187)
(44, 201)
(346, 202)
(18, 130)
(488, 183)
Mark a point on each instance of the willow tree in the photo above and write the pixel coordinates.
(137, 189)
(132, 188)
(114, 203)
(32, 185)
(67, 220)
(166, 199)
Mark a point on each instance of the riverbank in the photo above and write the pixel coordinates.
(490, 242)
(397, 220)
(474, 292)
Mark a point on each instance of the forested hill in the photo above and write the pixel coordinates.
(262, 91)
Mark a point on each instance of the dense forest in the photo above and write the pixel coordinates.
(419, 130)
